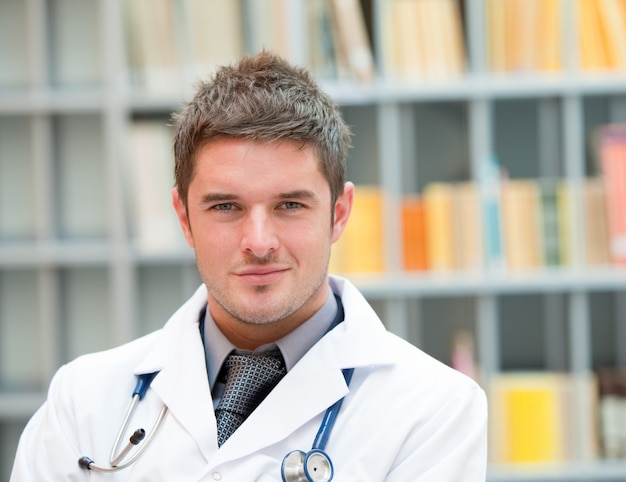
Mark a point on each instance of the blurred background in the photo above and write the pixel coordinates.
(490, 220)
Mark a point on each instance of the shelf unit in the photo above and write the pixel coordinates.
(73, 281)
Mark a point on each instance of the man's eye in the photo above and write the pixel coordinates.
(224, 207)
(291, 205)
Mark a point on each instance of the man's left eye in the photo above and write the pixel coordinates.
(291, 205)
(224, 207)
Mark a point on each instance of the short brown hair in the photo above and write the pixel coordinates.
(262, 97)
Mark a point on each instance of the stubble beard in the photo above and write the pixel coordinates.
(258, 313)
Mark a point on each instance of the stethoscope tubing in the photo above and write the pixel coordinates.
(143, 383)
(330, 417)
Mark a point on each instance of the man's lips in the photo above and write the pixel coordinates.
(261, 274)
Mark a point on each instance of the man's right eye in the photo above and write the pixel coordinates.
(224, 207)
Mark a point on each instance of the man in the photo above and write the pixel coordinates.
(261, 196)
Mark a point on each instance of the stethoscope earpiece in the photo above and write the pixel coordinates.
(314, 466)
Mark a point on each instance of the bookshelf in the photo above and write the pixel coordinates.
(76, 275)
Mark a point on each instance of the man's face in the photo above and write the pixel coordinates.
(259, 219)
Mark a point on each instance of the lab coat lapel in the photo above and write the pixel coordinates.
(182, 383)
(314, 384)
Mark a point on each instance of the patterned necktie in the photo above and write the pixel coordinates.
(249, 379)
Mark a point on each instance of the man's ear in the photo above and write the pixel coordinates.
(182, 215)
(343, 206)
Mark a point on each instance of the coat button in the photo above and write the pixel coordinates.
(216, 476)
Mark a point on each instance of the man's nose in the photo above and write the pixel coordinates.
(259, 236)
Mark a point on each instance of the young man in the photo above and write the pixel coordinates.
(261, 196)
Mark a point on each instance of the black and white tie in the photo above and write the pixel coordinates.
(249, 379)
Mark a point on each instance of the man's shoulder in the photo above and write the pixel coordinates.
(122, 356)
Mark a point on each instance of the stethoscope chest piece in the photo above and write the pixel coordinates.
(314, 466)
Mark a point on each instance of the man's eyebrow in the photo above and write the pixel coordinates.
(217, 197)
(299, 194)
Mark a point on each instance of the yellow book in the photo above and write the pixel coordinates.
(526, 418)
(438, 207)
(360, 248)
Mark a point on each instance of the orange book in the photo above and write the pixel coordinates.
(414, 234)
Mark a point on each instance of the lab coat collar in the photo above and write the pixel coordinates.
(184, 390)
(352, 344)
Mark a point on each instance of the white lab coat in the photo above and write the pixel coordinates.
(405, 418)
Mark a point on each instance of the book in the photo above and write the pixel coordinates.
(489, 178)
(612, 14)
(321, 45)
(467, 227)
(268, 27)
(151, 40)
(210, 34)
(353, 42)
(439, 222)
(526, 418)
(592, 43)
(612, 413)
(542, 417)
(151, 177)
(597, 230)
(564, 208)
(549, 219)
(611, 146)
(524, 35)
(520, 224)
(360, 247)
(414, 234)
(549, 45)
(422, 39)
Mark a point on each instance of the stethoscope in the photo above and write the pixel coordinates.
(315, 465)
(297, 466)
(115, 459)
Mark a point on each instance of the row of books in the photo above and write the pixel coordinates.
(449, 227)
(174, 43)
(422, 39)
(528, 35)
(554, 417)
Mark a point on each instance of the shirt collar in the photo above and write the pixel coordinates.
(293, 346)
